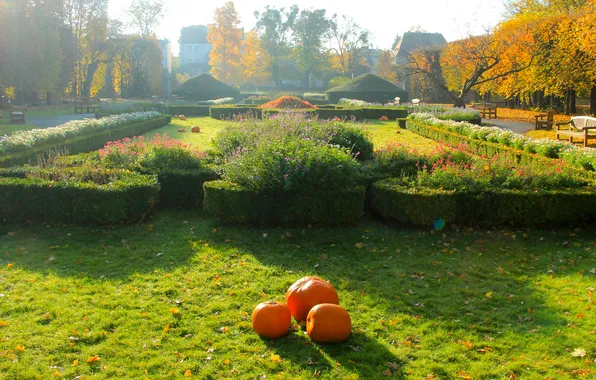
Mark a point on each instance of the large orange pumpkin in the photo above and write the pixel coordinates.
(328, 323)
(271, 319)
(308, 292)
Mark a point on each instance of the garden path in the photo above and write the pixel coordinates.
(515, 126)
(54, 120)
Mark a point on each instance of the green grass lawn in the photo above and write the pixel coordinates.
(7, 129)
(453, 304)
(381, 133)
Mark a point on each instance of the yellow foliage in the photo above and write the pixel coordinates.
(225, 38)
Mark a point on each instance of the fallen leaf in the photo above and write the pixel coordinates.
(9, 265)
(275, 358)
(187, 373)
(93, 359)
(387, 372)
(75, 363)
(22, 348)
(3, 323)
(226, 362)
(578, 353)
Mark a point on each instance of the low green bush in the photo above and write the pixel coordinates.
(233, 203)
(324, 112)
(232, 111)
(394, 199)
(75, 195)
(189, 110)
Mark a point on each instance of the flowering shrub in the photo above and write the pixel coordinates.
(291, 102)
(153, 156)
(446, 113)
(583, 157)
(23, 140)
(216, 102)
(293, 166)
(250, 133)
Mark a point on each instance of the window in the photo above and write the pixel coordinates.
(197, 48)
(190, 48)
(190, 61)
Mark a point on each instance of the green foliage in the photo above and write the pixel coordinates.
(338, 81)
(293, 166)
(324, 112)
(367, 87)
(205, 87)
(189, 110)
(231, 202)
(76, 195)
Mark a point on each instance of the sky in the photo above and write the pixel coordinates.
(383, 18)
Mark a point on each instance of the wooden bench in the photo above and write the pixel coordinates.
(86, 105)
(487, 110)
(545, 120)
(579, 127)
(17, 115)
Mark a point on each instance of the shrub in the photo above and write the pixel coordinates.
(76, 195)
(205, 87)
(226, 112)
(290, 102)
(338, 81)
(293, 166)
(233, 203)
(313, 96)
(367, 87)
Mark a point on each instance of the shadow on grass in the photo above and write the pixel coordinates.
(359, 354)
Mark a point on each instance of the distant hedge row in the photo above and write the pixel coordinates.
(323, 112)
(424, 206)
(83, 144)
(75, 195)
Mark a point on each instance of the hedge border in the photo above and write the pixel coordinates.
(189, 110)
(82, 144)
(126, 198)
(484, 148)
(326, 112)
(423, 206)
(233, 203)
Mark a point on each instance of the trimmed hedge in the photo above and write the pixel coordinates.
(77, 195)
(481, 147)
(205, 87)
(183, 187)
(189, 110)
(324, 112)
(367, 87)
(84, 144)
(233, 203)
(422, 206)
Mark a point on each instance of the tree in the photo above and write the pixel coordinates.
(386, 67)
(225, 37)
(396, 41)
(146, 15)
(254, 60)
(311, 31)
(350, 45)
(274, 26)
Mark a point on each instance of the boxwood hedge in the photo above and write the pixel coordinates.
(324, 112)
(233, 203)
(424, 206)
(75, 195)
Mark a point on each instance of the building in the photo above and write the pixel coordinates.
(166, 64)
(411, 41)
(194, 50)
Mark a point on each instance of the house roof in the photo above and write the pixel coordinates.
(411, 41)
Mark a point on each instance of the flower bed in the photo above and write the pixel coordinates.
(76, 137)
(288, 102)
(469, 115)
(324, 112)
(429, 126)
(75, 195)
(179, 167)
(496, 190)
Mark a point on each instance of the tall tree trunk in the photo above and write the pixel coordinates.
(91, 69)
(567, 102)
(593, 100)
(572, 106)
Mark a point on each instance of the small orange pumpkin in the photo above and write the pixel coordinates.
(328, 323)
(181, 130)
(196, 129)
(271, 319)
(182, 117)
(308, 292)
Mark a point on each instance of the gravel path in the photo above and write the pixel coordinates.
(52, 121)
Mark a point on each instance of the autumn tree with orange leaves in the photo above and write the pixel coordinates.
(225, 37)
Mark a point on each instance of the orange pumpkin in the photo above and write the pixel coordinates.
(196, 129)
(271, 319)
(182, 117)
(328, 323)
(181, 130)
(308, 292)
